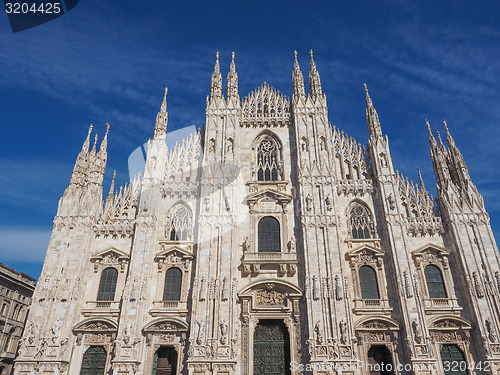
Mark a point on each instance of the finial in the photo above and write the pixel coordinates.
(107, 129)
(86, 143)
(217, 57)
(90, 130)
(366, 88)
(368, 99)
(232, 66)
(311, 53)
(112, 186)
(164, 102)
(95, 143)
(439, 138)
(428, 127)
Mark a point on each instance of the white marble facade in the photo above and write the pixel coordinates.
(344, 216)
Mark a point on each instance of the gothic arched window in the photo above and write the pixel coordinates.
(267, 160)
(360, 222)
(269, 235)
(368, 283)
(435, 282)
(107, 285)
(181, 228)
(173, 284)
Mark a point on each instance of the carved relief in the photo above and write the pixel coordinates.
(269, 297)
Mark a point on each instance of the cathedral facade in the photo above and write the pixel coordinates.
(269, 242)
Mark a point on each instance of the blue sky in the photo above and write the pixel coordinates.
(110, 61)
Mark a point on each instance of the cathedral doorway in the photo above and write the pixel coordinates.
(453, 360)
(94, 361)
(380, 361)
(165, 361)
(271, 348)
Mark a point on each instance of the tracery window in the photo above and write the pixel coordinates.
(107, 285)
(173, 284)
(368, 283)
(181, 228)
(269, 235)
(267, 160)
(435, 282)
(360, 222)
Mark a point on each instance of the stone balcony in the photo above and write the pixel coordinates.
(160, 308)
(370, 306)
(267, 262)
(441, 305)
(94, 308)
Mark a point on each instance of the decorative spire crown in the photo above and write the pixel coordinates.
(162, 119)
(216, 84)
(314, 79)
(86, 143)
(372, 119)
(232, 80)
(298, 80)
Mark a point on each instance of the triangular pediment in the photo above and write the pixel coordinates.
(365, 250)
(430, 248)
(270, 194)
(176, 251)
(111, 252)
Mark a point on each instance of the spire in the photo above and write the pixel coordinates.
(441, 144)
(432, 140)
(459, 167)
(422, 185)
(162, 119)
(314, 80)
(92, 152)
(372, 120)
(298, 80)
(232, 81)
(86, 143)
(104, 143)
(216, 85)
(111, 188)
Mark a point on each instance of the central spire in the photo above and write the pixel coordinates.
(314, 81)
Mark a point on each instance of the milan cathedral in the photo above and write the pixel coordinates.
(268, 242)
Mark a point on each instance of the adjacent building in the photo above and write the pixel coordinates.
(16, 290)
(269, 242)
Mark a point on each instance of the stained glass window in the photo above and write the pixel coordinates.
(173, 284)
(368, 283)
(181, 228)
(435, 283)
(269, 235)
(360, 222)
(107, 286)
(267, 160)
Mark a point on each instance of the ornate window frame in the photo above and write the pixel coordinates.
(170, 221)
(437, 256)
(280, 170)
(110, 257)
(172, 256)
(262, 203)
(367, 255)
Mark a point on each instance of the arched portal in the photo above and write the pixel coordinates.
(271, 348)
(165, 361)
(94, 361)
(453, 360)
